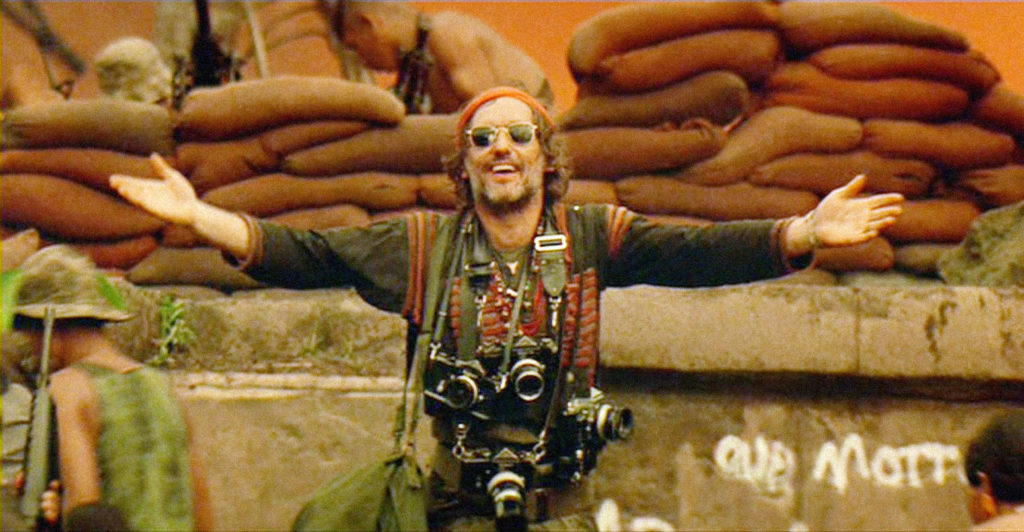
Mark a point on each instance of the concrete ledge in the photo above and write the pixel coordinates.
(889, 332)
(971, 333)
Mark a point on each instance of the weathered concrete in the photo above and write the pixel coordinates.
(746, 399)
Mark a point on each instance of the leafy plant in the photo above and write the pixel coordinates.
(175, 333)
(11, 284)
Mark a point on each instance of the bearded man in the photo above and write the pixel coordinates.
(503, 297)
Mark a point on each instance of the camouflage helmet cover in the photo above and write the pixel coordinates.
(63, 278)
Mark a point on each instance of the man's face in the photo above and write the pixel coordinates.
(506, 173)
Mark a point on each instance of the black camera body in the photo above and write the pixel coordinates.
(480, 389)
(475, 395)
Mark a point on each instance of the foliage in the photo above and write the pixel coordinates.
(175, 333)
(11, 283)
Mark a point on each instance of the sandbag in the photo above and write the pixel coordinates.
(283, 140)
(719, 97)
(279, 21)
(179, 236)
(584, 191)
(341, 215)
(956, 145)
(875, 254)
(120, 254)
(751, 54)
(277, 193)
(87, 166)
(665, 195)
(106, 123)
(769, 135)
(201, 266)
(920, 259)
(416, 145)
(998, 186)
(933, 220)
(1000, 108)
(968, 70)
(636, 25)
(209, 165)
(310, 55)
(438, 191)
(823, 172)
(809, 26)
(244, 107)
(611, 152)
(803, 85)
(68, 210)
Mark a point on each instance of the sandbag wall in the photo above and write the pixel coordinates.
(688, 112)
(54, 170)
(307, 152)
(804, 96)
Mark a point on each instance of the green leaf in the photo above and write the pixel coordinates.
(11, 284)
(110, 292)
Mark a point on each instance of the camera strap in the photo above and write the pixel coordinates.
(429, 339)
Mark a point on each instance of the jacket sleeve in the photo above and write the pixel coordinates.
(643, 252)
(373, 259)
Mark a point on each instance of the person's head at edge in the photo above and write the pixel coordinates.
(500, 166)
(995, 467)
(82, 298)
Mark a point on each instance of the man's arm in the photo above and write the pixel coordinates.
(455, 45)
(173, 200)
(842, 219)
(78, 434)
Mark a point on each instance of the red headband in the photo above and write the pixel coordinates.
(492, 94)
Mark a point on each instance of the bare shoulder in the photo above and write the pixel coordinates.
(72, 389)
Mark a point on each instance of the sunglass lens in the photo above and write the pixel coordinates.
(521, 133)
(483, 136)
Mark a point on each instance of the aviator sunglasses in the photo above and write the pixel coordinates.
(484, 136)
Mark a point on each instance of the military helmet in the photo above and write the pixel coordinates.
(63, 278)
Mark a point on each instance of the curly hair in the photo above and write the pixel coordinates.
(998, 452)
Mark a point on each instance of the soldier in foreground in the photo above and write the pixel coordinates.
(125, 451)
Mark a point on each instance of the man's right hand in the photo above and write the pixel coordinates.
(171, 199)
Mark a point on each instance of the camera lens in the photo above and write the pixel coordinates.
(613, 423)
(461, 391)
(506, 489)
(528, 379)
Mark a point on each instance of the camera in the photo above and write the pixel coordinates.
(528, 379)
(487, 391)
(507, 489)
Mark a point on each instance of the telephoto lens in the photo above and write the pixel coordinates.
(507, 490)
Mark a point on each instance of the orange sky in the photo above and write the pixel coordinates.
(543, 29)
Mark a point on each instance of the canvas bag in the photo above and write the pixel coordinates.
(388, 494)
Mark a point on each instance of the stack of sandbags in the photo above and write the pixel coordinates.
(918, 89)
(54, 170)
(658, 85)
(296, 38)
(235, 146)
(853, 88)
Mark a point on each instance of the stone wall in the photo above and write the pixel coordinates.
(766, 406)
